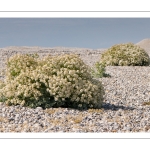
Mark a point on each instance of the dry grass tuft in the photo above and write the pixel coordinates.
(146, 103)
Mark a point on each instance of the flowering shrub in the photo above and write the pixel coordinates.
(54, 81)
(125, 55)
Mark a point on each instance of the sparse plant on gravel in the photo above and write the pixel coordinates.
(125, 55)
(53, 81)
(99, 71)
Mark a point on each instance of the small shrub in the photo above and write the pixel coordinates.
(50, 82)
(125, 55)
(99, 71)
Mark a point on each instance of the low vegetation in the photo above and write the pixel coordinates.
(99, 70)
(125, 55)
(53, 81)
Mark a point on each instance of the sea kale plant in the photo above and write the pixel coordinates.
(53, 81)
(125, 55)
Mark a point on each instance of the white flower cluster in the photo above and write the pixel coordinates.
(125, 55)
(53, 81)
(20, 63)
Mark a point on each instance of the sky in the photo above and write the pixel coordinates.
(93, 33)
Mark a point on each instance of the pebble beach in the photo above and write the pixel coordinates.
(126, 106)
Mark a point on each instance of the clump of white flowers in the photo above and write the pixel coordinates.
(20, 63)
(53, 81)
(125, 55)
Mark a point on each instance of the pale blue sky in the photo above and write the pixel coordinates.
(91, 33)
